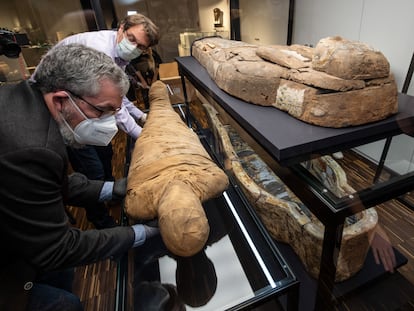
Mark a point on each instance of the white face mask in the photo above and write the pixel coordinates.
(95, 131)
(98, 132)
(127, 50)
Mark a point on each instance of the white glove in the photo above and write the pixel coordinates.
(142, 120)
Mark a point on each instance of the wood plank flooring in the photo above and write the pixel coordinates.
(95, 284)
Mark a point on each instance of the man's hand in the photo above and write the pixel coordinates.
(119, 190)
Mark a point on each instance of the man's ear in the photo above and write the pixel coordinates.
(56, 99)
(119, 33)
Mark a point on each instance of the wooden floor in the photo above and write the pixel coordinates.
(95, 284)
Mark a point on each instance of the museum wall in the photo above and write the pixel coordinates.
(172, 17)
(264, 22)
(386, 26)
(206, 14)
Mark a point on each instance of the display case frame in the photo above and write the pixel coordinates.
(285, 142)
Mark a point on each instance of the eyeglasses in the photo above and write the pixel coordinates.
(102, 111)
(131, 38)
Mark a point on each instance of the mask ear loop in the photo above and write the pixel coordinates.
(78, 109)
(76, 136)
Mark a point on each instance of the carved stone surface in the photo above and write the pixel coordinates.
(337, 84)
(286, 218)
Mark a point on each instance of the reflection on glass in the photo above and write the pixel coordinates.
(231, 270)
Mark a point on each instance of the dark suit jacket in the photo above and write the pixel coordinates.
(34, 189)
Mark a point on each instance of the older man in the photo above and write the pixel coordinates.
(70, 101)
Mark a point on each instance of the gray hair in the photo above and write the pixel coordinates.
(79, 69)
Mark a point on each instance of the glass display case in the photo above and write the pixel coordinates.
(288, 145)
(239, 267)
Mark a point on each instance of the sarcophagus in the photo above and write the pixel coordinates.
(286, 218)
(338, 83)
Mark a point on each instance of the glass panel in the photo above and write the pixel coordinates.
(231, 271)
(335, 176)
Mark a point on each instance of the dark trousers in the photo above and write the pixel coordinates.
(95, 162)
(53, 292)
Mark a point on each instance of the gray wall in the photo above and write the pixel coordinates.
(264, 21)
(386, 26)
